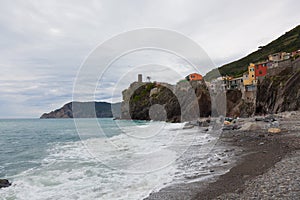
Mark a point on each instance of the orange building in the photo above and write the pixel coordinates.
(194, 77)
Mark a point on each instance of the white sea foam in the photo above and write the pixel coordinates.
(121, 167)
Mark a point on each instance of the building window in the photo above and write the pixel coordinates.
(252, 75)
(260, 72)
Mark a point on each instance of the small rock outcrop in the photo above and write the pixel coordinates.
(4, 183)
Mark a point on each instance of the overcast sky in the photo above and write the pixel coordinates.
(43, 43)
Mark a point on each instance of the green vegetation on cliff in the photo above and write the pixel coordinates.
(288, 42)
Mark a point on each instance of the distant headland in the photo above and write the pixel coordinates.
(85, 110)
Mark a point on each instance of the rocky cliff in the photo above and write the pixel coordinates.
(279, 93)
(236, 106)
(165, 102)
(85, 110)
(186, 101)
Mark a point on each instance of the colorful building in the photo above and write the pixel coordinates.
(194, 77)
(261, 69)
(231, 83)
(276, 57)
(249, 77)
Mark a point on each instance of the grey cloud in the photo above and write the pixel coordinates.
(43, 43)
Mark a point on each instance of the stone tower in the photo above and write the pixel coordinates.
(140, 78)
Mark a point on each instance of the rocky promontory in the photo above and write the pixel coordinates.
(185, 101)
(165, 102)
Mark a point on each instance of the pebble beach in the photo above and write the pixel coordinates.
(267, 166)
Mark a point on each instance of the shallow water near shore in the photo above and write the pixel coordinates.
(46, 159)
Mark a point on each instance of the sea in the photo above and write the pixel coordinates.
(55, 159)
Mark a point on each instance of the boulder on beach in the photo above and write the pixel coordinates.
(270, 118)
(251, 126)
(4, 183)
(188, 126)
(231, 127)
(274, 130)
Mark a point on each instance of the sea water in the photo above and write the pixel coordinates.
(97, 158)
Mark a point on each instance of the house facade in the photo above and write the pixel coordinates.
(230, 83)
(249, 77)
(276, 57)
(261, 70)
(194, 77)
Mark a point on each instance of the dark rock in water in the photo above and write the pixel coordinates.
(4, 183)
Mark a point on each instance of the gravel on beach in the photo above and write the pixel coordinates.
(280, 182)
(268, 168)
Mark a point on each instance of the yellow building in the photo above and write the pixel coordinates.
(249, 78)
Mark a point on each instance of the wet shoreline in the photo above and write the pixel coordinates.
(256, 152)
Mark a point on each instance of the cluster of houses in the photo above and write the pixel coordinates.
(256, 73)
(247, 83)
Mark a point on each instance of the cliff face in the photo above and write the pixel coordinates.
(236, 106)
(186, 101)
(279, 93)
(85, 110)
(148, 95)
(164, 102)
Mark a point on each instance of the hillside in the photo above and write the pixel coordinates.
(85, 110)
(288, 42)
